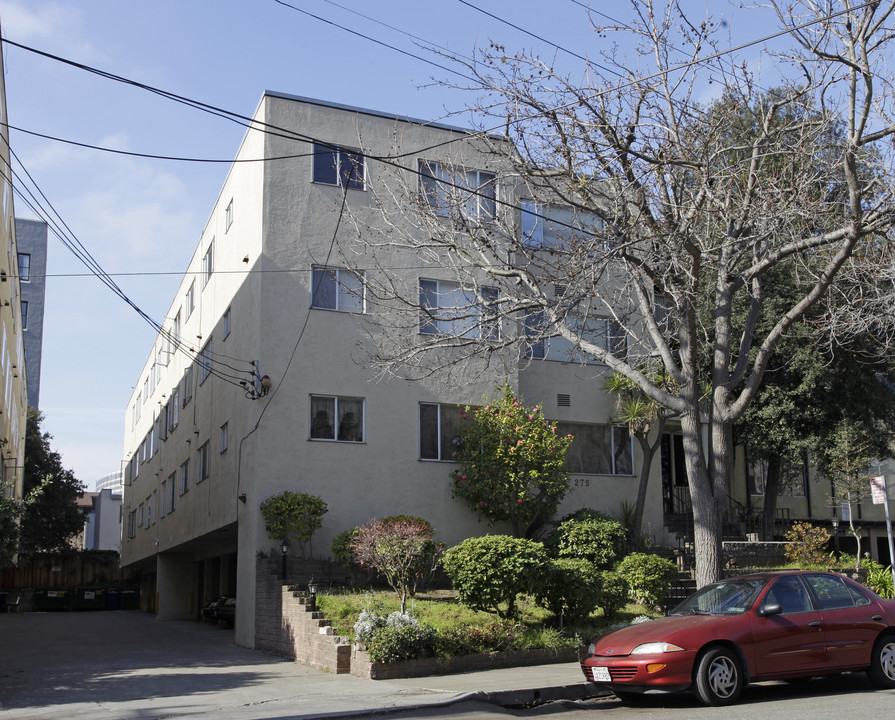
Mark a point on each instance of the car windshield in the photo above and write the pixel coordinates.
(731, 597)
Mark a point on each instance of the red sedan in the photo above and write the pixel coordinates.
(766, 626)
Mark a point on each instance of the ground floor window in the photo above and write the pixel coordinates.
(598, 449)
(440, 428)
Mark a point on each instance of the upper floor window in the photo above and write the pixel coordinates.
(225, 437)
(225, 323)
(446, 308)
(185, 477)
(440, 430)
(177, 328)
(337, 289)
(24, 314)
(202, 463)
(598, 449)
(458, 191)
(337, 418)
(24, 267)
(548, 226)
(602, 332)
(191, 299)
(335, 166)
(208, 264)
(228, 216)
(205, 362)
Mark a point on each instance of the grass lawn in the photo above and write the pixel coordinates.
(462, 630)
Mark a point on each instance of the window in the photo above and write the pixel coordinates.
(790, 594)
(228, 216)
(602, 332)
(178, 327)
(225, 322)
(225, 436)
(202, 463)
(168, 497)
(140, 515)
(208, 263)
(545, 226)
(24, 314)
(337, 289)
(469, 193)
(185, 477)
(440, 430)
(334, 166)
(337, 418)
(173, 410)
(138, 408)
(163, 508)
(188, 386)
(205, 362)
(132, 524)
(448, 309)
(191, 299)
(24, 267)
(598, 449)
(792, 481)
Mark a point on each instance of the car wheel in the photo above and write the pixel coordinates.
(882, 662)
(719, 677)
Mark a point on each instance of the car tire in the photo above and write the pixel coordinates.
(719, 677)
(882, 662)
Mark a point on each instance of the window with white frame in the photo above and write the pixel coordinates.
(598, 449)
(225, 324)
(441, 426)
(132, 524)
(337, 289)
(138, 408)
(337, 418)
(548, 226)
(24, 267)
(602, 332)
(187, 386)
(470, 193)
(228, 216)
(208, 263)
(202, 463)
(178, 328)
(173, 410)
(335, 166)
(190, 299)
(185, 477)
(225, 437)
(446, 308)
(205, 361)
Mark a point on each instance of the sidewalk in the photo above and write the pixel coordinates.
(81, 666)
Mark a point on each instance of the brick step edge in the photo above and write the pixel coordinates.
(362, 666)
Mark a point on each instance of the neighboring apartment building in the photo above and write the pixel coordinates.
(102, 526)
(13, 374)
(265, 295)
(31, 238)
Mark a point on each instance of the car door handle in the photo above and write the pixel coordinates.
(877, 618)
(816, 624)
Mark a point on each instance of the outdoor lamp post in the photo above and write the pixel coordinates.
(284, 547)
(836, 535)
(312, 589)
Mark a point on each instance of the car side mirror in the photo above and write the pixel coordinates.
(770, 609)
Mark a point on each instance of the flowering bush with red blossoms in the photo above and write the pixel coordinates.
(512, 464)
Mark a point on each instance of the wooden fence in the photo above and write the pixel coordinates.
(85, 568)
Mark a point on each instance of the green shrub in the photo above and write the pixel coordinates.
(614, 593)
(487, 638)
(807, 545)
(341, 548)
(489, 572)
(571, 588)
(599, 540)
(293, 515)
(879, 578)
(648, 577)
(393, 643)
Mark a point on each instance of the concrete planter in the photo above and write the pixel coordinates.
(362, 666)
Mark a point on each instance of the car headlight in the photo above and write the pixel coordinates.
(592, 649)
(653, 648)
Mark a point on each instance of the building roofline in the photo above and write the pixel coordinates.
(379, 113)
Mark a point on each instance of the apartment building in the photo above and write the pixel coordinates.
(258, 382)
(31, 240)
(13, 374)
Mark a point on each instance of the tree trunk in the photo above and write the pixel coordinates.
(771, 490)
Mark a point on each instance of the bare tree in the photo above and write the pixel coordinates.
(627, 219)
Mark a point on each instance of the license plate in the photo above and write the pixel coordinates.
(601, 674)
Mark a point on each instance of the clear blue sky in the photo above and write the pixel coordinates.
(145, 216)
